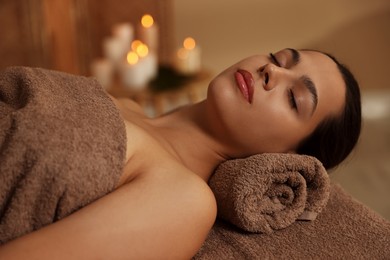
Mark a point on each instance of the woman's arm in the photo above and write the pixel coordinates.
(154, 216)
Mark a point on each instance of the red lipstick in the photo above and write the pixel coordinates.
(245, 83)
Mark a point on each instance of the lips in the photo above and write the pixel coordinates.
(245, 83)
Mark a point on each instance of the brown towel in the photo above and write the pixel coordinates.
(345, 229)
(62, 146)
(269, 192)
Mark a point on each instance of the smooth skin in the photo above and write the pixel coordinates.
(162, 207)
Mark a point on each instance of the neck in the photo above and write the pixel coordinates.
(186, 135)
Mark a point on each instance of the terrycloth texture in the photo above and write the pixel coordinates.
(268, 192)
(345, 229)
(62, 146)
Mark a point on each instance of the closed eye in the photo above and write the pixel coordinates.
(274, 60)
(291, 99)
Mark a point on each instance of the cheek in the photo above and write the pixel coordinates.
(223, 106)
(219, 93)
(223, 89)
(275, 130)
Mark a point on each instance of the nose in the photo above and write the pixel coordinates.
(272, 75)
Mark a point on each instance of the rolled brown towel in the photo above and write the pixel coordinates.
(267, 192)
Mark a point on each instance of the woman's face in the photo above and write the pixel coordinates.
(271, 103)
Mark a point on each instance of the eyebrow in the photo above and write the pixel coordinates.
(296, 56)
(309, 84)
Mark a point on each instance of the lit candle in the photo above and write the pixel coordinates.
(135, 44)
(125, 32)
(188, 58)
(133, 72)
(113, 49)
(148, 59)
(102, 69)
(148, 32)
(142, 50)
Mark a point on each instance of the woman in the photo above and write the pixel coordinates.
(291, 101)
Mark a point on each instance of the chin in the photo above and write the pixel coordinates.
(222, 94)
(224, 107)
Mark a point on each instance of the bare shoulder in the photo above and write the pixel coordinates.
(196, 190)
(189, 214)
(127, 104)
(131, 104)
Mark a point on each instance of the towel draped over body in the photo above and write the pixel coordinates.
(62, 146)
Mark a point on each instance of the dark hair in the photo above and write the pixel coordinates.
(335, 137)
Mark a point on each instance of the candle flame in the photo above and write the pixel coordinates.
(135, 44)
(132, 57)
(147, 21)
(189, 43)
(142, 50)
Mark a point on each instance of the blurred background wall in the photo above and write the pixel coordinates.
(67, 34)
(355, 31)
